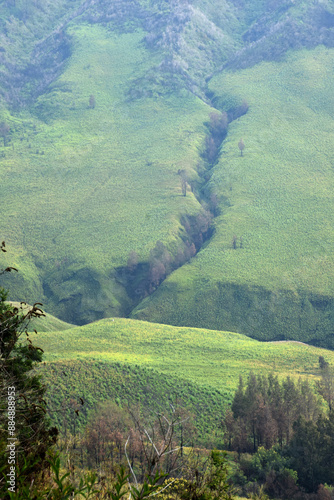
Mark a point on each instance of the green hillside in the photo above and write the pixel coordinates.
(90, 173)
(277, 197)
(98, 381)
(105, 126)
(47, 323)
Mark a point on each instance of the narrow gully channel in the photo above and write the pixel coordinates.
(141, 279)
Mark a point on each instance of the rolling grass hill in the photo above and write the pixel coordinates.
(277, 197)
(206, 357)
(134, 362)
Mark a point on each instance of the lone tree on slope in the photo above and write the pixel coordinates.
(241, 146)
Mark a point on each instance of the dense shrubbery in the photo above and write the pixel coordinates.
(287, 428)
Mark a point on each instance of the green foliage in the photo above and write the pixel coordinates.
(121, 481)
(265, 461)
(261, 495)
(25, 432)
(61, 487)
(311, 452)
(208, 480)
(264, 411)
(149, 487)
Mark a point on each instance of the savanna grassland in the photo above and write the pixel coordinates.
(167, 193)
(106, 106)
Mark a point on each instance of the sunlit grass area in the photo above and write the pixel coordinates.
(206, 357)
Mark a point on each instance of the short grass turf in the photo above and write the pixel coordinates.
(277, 197)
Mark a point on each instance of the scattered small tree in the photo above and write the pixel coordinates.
(241, 146)
(323, 364)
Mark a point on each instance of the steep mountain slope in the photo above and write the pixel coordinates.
(278, 281)
(104, 120)
(99, 182)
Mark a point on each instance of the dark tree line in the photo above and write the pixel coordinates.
(264, 411)
(289, 430)
(311, 451)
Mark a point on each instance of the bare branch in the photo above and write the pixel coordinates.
(127, 458)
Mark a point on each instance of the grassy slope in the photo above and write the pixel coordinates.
(278, 197)
(205, 357)
(133, 385)
(90, 173)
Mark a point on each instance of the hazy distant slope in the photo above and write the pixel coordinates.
(279, 198)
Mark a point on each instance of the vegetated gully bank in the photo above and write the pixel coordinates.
(140, 279)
